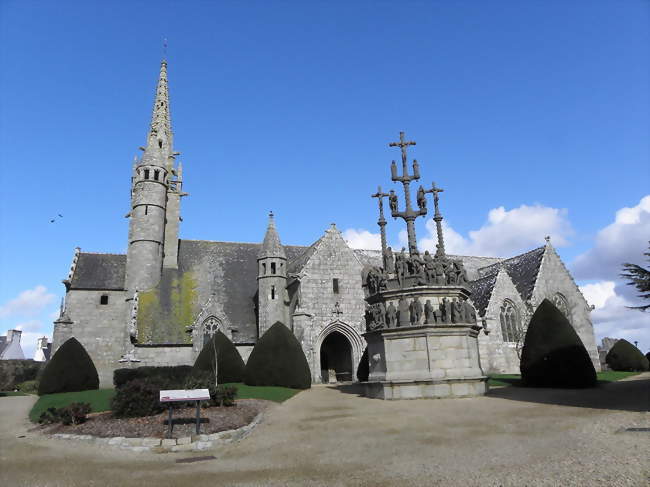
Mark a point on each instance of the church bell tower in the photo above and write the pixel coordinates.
(154, 178)
(271, 280)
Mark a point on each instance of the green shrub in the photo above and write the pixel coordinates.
(624, 356)
(230, 365)
(13, 372)
(137, 398)
(278, 360)
(363, 369)
(222, 395)
(70, 369)
(173, 377)
(553, 354)
(75, 413)
(647, 355)
(28, 387)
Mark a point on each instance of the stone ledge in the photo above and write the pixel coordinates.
(169, 445)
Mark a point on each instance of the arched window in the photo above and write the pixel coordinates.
(561, 303)
(510, 322)
(210, 327)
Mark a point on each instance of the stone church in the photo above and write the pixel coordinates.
(159, 303)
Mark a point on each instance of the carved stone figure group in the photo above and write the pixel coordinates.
(414, 313)
(425, 268)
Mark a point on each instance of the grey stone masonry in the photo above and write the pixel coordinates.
(272, 297)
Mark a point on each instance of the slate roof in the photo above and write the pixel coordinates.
(297, 263)
(99, 271)
(482, 292)
(522, 269)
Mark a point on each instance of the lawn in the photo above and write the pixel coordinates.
(514, 379)
(100, 399)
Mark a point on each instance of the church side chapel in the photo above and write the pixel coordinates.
(162, 301)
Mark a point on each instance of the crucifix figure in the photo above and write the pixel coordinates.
(437, 217)
(382, 221)
(337, 310)
(409, 215)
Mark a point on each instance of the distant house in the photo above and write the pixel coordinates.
(43, 350)
(10, 348)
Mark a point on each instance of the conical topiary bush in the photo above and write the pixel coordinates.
(363, 369)
(70, 369)
(553, 354)
(278, 360)
(625, 356)
(230, 365)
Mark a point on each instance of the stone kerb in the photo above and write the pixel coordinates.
(169, 445)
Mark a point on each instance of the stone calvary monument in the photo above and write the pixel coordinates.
(421, 330)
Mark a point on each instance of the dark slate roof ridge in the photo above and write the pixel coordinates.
(259, 244)
(482, 292)
(101, 253)
(298, 264)
(494, 268)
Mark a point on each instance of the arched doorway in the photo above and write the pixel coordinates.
(336, 357)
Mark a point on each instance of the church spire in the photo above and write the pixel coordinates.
(271, 247)
(160, 137)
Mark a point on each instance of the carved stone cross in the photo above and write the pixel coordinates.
(382, 221)
(337, 309)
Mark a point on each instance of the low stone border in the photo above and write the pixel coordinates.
(165, 445)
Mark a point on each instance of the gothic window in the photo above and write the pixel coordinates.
(210, 327)
(561, 303)
(156, 175)
(272, 267)
(335, 285)
(103, 299)
(510, 323)
(272, 292)
(146, 173)
(264, 268)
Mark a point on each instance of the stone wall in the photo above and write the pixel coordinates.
(100, 328)
(159, 356)
(244, 351)
(317, 316)
(497, 355)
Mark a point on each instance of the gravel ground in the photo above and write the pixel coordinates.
(331, 436)
(213, 420)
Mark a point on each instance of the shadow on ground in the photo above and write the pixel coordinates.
(630, 395)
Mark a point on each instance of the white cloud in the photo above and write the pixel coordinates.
(32, 325)
(612, 317)
(28, 303)
(505, 233)
(362, 239)
(624, 240)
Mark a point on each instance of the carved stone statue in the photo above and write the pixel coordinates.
(470, 312)
(439, 272)
(392, 201)
(450, 271)
(429, 268)
(401, 267)
(391, 316)
(461, 273)
(404, 312)
(445, 310)
(416, 311)
(456, 312)
(429, 313)
(379, 314)
(418, 268)
(390, 261)
(422, 200)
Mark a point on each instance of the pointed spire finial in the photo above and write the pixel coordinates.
(271, 246)
(159, 140)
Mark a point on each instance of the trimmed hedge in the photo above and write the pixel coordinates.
(230, 365)
(363, 369)
(138, 397)
(13, 372)
(171, 377)
(278, 360)
(71, 369)
(624, 356)
(553, 354)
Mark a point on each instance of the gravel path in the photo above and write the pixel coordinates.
(331, 436)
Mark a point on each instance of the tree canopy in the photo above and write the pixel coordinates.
(638, 277)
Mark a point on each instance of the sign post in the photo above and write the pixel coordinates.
(184, 395)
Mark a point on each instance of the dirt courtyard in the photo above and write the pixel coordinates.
(331, 436)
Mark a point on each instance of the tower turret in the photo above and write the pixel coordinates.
(271, 280)
(153, 176)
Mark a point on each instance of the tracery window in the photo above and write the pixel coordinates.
(210, 327)
(510, 322)
(561, 303)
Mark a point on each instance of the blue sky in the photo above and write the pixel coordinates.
(534, 116)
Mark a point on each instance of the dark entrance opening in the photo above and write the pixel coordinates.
(336, 356)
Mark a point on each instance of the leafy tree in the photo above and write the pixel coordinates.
(638, 277)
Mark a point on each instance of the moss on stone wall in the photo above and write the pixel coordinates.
(165, 312)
